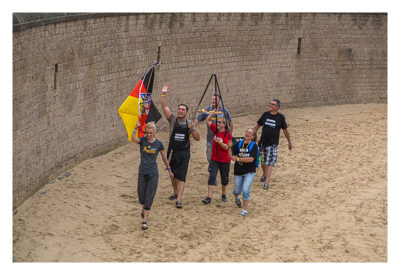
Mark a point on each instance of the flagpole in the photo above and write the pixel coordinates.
(141, 85)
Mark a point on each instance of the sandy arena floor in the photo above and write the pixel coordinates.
(327, 202)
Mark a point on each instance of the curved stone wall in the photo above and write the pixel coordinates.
(70, 76)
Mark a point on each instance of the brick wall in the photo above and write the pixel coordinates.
(70, 77)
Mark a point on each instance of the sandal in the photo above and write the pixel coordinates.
(178, 204)
(173, 197)
(144, 226)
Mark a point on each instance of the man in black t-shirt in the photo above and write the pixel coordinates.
(272, 122)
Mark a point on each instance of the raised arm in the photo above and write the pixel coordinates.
(136, 139)
(166, 110)
(208, 119)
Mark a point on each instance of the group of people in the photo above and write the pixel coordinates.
(221, 150)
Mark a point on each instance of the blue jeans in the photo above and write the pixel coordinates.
(243, 184)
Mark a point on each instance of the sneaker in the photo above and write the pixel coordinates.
(178, 204)
(223, 197)
(263, 178)
(243, 213)
(206, 200)
(173, 197)
(238, 202)
(266, 185)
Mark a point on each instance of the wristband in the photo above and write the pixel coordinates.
(169, 168)
(237, 159)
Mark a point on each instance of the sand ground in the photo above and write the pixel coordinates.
(327, 202)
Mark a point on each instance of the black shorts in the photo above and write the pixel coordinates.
(223, 168)
(179, 164)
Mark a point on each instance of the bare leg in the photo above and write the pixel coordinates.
(223, 187)
(264, 168)
(268, 173)
(180, 186)
(175, 186)
(145, 214)
(245, 205)
(210, 190)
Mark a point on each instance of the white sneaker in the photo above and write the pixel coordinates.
(243, 213)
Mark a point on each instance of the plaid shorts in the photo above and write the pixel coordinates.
(269, 155)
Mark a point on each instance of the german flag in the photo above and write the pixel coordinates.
(139, 106)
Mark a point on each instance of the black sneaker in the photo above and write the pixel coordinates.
(263, 178)
(206, 200)
(173, 197)
(178, 204)
(266, 185)
(238, 202)
(223, 197)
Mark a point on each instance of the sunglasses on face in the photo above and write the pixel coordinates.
(220, 122)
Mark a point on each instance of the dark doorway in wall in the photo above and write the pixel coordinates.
(299, 45)
(55, 76)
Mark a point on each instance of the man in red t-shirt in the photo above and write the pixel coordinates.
(220, 159)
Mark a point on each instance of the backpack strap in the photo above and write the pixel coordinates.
(240, 144)
(251, 146)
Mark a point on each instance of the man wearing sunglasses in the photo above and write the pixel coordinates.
(272, 122)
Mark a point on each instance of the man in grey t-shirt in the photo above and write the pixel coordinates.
(179, 144)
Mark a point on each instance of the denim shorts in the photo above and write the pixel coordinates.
(243, 184)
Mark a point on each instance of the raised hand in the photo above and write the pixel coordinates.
(165, 88)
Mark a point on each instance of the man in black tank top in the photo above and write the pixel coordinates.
(179, 144)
